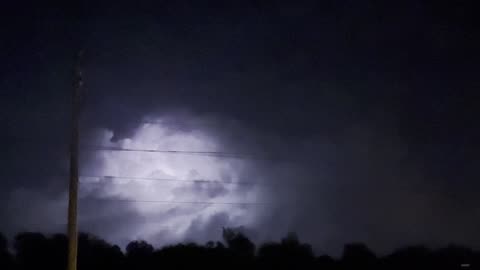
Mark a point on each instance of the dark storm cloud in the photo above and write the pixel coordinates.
(366, 111)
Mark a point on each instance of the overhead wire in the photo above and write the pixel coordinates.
(181, 202)
(214, 154)
(110, 177)
(172, 180)
(122, 149)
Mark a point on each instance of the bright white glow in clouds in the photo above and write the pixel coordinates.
(177, 221)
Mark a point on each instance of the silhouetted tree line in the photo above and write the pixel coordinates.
(37, 251)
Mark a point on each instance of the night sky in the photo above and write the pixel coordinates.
(344, 120)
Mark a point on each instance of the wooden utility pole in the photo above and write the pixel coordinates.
(73, 187)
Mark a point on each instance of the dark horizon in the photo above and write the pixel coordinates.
(31, 248)
(11, 245)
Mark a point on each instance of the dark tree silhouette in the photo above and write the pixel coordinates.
(412, 257)
(32, 251)
(139, 255)
(3, 243)
(238, 243)
(57, 245)
(6, 260)
(188, 256)
(37, 251)
(288, 254)
(139, 249)
(241, 249)
(358, 255)
(326, 262)
(96, 254)
(452, 257)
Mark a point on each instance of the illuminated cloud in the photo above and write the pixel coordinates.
(156, 179)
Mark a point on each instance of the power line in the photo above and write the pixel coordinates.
(213, 154)
(183, 202)
(114, 148)
(184, 152)
(109, 177)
